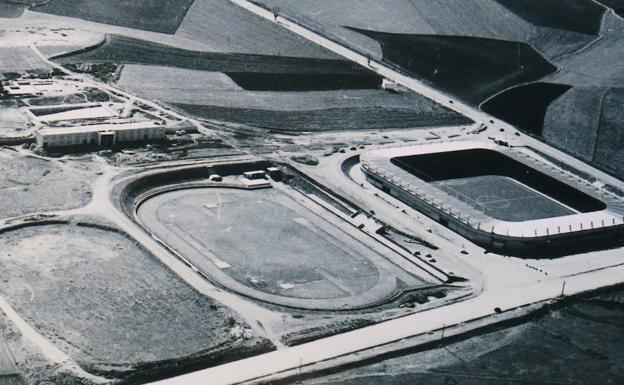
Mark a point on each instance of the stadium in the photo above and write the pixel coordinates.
(510, 201)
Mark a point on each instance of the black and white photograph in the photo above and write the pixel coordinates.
(311, 192)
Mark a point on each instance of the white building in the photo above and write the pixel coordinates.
(99, 134)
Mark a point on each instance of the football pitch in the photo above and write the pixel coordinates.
(503, 198)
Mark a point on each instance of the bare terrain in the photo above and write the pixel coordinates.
(71, 293)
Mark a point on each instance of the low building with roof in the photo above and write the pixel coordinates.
(101, 135)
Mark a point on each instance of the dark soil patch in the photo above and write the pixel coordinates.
(305, 82)
(582, 16)
(470, 68)
(525, 106)
(616, 5)
(162, 16)
(124, 50)
(334, 119)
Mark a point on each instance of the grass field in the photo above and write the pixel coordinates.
(124, 50)
(265, 240)
(29, 185)
(113, 308)
(159, 16)
(225, 27)
(503, 198)
(577, 344)
(19, 59)
(498, 180)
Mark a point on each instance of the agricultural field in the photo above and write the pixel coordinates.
(484, 19)
(610, 139)
(125, 50)
(20, 59)
(599, 64)
(578, 109)
(593, 115)
(159, 16)
(470, 68)
(169, 83)
(30, 185)
(175, 84)
(330, 119)
(535, 99)
(216, 96)
(571, 45)
(578, 343)
(122, 313)
(225, 27)
(572, 15)
(616, 5)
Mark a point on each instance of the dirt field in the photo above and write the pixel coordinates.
(12, 121)
(228, 28)
(578, 344)
(29, 185)
(159, 16)
(19, 58)
(109, 305)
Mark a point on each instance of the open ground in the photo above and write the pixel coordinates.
(109, 305)
(30, 185)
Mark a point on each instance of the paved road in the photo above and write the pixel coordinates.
(450, 317)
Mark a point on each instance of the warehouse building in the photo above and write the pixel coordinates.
(101, 135)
